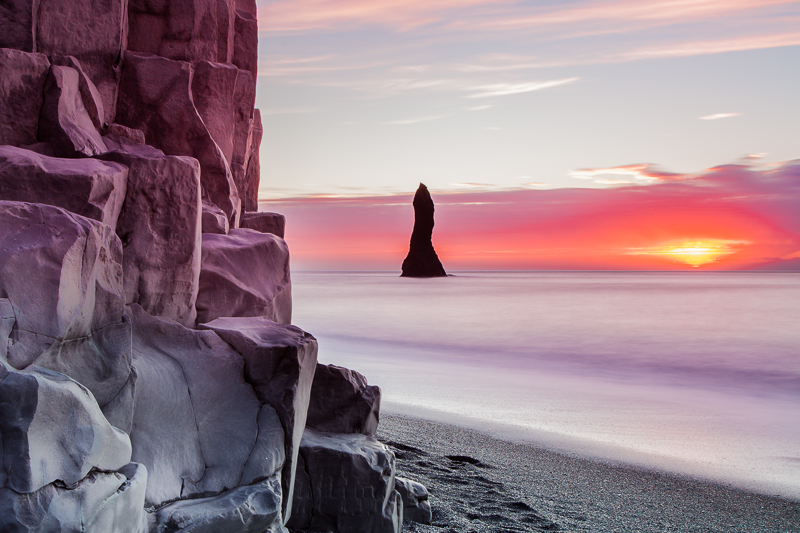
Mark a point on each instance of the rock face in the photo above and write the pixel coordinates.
(150, 381)
(86, 187)
(422, 261)
(416, 506)
(244, 273)
(334, 473)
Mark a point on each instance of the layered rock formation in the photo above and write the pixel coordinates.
(422, 261)
(149, 378)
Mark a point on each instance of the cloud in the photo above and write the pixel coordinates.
(641, 171)
(287, 111)
(718, 116)
(728, 217)
(505, 89)
(414, 120)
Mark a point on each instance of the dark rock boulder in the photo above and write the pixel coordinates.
(64, 121)
(343, 402)
(264, 222)
(422, 261)
(245, 52)
(21, 92)
(345, 484)
(416, 506)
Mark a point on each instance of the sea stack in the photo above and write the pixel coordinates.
(422, 261)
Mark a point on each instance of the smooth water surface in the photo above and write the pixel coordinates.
(696, 373)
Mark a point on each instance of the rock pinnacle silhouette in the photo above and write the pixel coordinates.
(422, 261)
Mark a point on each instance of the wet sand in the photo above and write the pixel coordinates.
(478, 483)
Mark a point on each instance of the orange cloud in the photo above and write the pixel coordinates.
(728, 217)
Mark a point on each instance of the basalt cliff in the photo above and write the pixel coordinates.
(150, 380)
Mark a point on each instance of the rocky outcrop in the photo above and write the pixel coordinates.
(72, 318)
(342, 402)
(149, 378)
(156, 98)
(280, 362)
(86, 187)
(244, 273)
(265, 222)
(345, 484)
(422, 261)
(160, 231)
(416, 506)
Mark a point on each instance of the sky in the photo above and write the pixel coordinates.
(573, 134)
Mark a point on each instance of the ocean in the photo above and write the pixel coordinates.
(692, 373)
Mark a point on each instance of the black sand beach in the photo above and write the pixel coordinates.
(481, 484)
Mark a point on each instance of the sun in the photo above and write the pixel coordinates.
(693, 253)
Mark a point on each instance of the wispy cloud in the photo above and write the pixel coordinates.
(506, 89)
(417, 120)
(717, 46)
(645, 172)
(718, 116)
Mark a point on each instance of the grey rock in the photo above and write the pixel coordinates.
(248, 509)
(53, 430)
(416, 506)
(280, 361)
(92, 101)
(86, 187)
(347, 485)
(72, 318)
(156, 98)
(94, 32)
(100, 503)
(21, 85)
(196, 420)
(160, 230)
(264, 222)
(6, 325)
(214, 219)
(64, 121)
(244, 273)
(343, 402)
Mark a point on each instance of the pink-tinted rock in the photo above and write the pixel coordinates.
(245, 49)
(87, 187)
(118, 130)
(64, 121)
(253, 174)
(214, 219)
(21, 92)
(343, 402)
(213, 91)
(71, 317)
(226, 18)
(93, 31)
(244, 273)
(155, 97)
(17, 19)
(345, 484)
(244, 98)
(191, 30)
(279, 361)
(160, 230)
(264, 222)
(89, 95)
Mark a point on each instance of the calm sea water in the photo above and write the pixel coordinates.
(695, 373)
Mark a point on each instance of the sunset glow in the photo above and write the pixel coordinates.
(693, 253)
